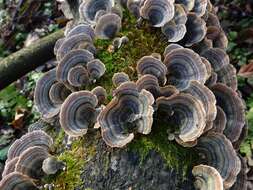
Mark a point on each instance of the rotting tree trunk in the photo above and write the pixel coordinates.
(27, 59)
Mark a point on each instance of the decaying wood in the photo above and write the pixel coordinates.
(27, 59)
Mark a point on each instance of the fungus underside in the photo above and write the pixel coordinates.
(144, 41)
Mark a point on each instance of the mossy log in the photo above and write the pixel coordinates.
(25, 60)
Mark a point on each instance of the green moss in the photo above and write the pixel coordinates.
(75, 160)
(144, 41)
(176, 156)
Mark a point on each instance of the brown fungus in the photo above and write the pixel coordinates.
(9, 166)
(30, 162)
(128, 112)
(17, 181)
(78, 113)
(216, 150)
(35, 138)
(207, 178)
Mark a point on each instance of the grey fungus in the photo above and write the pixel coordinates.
(52, 165)
(153, 66)
(17, 181)
(35, 138)
(134, 7)
(157, 12)
(185, 112)
(200, 7)
(206, 96)
(42, 100)
(78, 76)
(108, 26)
(180, 16)
(30, 162)
(196, 30)
(184, 65)
(129, 112)
(171, 47)
(58, 93)
(78, 113)
(81, 29)
(234, 109)
(96, 69)
(220, 121)
(188, 4)
(207, 178)
(227, 75)
(217, 57)
(118, 42)
(216, 150)
(174, 32)
(71, 43)
(72, 59)
(101, 94)
(119, 78)
(88, 9)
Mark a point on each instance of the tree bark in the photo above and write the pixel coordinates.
(27, 59)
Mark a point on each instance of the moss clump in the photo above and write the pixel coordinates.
(144, 41)
(75, 160)
(176, 156)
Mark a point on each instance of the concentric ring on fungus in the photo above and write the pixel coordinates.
(157, 12)
(35, 138)
(17, 181)
(190, 88)
(184, 65)
(217, 151)
(78, 113)
(186, 112)
(129, 111)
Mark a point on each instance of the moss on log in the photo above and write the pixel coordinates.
(25, 60)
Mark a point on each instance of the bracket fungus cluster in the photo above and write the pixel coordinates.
(191, 88)
(27, 161)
